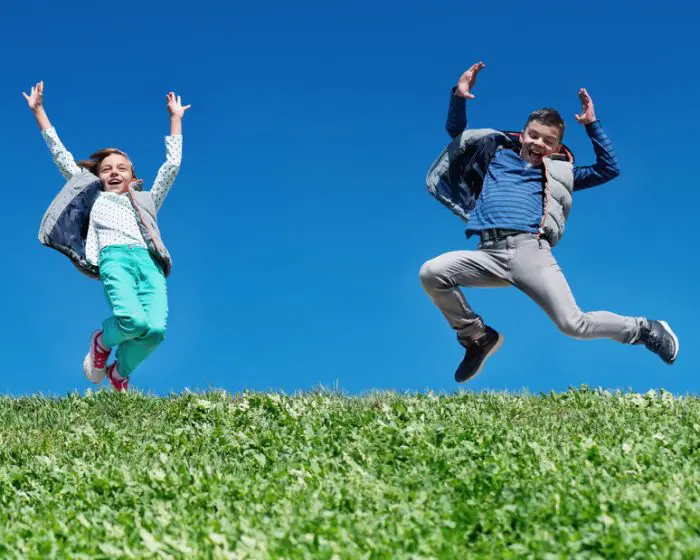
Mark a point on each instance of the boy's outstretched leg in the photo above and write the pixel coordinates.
(537, 273)
(442, 277)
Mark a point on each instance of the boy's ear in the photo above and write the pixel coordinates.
(522, 134)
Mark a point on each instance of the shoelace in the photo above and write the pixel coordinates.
(100, 355)
(119, 384)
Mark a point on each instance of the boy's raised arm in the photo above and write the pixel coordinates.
(605, 167)
(457, 113)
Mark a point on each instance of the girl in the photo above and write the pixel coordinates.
(107, 226)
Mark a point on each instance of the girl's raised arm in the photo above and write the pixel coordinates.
(173, 151)
(63, 158)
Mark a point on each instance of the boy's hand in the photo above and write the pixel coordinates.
(468, 80)
(587, 115)
(175, 107)
(35, 99)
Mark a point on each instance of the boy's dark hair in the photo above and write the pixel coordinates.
(548, 117)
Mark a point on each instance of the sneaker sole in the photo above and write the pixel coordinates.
(94, 375)
(675, 341)
(496, 348)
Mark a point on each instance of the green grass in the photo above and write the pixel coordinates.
(320, 475)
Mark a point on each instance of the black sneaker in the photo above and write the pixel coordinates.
(477, 353)
(658, 337)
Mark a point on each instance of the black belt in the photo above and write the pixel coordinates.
(493, 234)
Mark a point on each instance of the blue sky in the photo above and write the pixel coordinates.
(300, 217)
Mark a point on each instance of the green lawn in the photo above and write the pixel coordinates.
(321, 475)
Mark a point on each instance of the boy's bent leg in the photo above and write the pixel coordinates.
(442, 276)
(537, 273)
(153, 297)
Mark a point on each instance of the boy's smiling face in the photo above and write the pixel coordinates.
(539, 140)
(116, 173)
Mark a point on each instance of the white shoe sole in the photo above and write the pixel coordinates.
(94, 375)
(675, 340)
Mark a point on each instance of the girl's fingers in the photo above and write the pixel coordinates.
(186, 107)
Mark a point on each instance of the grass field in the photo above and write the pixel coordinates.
(321, 475)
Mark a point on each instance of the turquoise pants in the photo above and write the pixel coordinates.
(135, 287)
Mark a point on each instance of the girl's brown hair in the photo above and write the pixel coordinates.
(93, 164)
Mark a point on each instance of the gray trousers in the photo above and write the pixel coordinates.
(526, 262)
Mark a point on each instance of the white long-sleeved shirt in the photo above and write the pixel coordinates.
(112, 218)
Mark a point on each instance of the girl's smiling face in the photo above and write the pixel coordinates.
(116, 173)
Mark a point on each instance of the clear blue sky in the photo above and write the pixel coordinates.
(300, 217)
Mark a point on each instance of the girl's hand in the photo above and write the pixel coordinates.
(35, 99)
(175, 106)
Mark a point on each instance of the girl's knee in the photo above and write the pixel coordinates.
(156, 333)
(136, 325)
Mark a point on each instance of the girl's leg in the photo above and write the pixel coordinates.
(119, 275)
(152, 294)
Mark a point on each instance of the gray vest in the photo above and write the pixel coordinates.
(559, 188)
(145, 210)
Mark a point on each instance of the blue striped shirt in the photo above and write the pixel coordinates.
(512, 195)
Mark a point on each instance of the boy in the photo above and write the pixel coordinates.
(516, 194)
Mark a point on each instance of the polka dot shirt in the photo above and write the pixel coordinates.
(113, 218)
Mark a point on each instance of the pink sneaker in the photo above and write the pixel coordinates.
(120, 384)
(96, 360)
